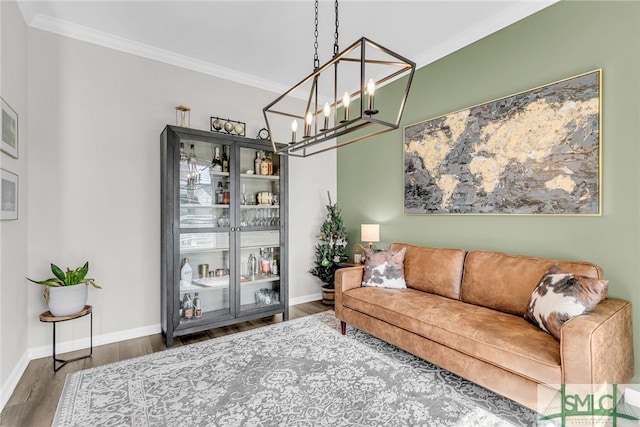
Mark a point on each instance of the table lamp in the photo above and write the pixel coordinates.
(370, 233)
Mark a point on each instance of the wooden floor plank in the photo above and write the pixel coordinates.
(35, 398)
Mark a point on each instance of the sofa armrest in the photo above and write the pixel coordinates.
(597, 348)
(346, 278)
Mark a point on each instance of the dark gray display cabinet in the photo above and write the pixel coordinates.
(221, 215)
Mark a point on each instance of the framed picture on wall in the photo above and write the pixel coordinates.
(9, 195)
(534, 152)
(9, 130)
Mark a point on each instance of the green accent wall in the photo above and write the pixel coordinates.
(563, 40)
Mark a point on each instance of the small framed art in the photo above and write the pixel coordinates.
(9, 195)
(9, 130)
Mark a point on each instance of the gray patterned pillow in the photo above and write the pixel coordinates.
(561, 296)
(384, 269)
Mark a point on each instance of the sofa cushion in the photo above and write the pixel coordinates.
(561, 296)
(504, 340)
(434, 270)
(504, 282)
(384, 269)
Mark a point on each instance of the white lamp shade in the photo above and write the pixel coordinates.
(370, 232)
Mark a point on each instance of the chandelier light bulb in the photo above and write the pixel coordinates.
(371, 89)
(307, 126)
(346, 100)
(327, 113)
(294, 128)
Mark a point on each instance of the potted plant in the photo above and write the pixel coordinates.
(66, 292)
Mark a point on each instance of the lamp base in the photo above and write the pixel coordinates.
(371, 112)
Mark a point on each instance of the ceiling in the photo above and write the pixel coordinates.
(269, 44)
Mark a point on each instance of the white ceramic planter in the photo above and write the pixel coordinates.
(67, 300)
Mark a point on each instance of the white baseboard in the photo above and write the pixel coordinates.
(66, 346)
(80, 344)
(7, 388)
(305, 298)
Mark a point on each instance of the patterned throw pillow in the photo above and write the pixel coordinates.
(384, 269)
(561, 296)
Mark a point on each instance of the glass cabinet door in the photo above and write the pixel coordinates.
(205, 219)
(260, 231)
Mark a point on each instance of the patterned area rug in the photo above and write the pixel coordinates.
(297, 373)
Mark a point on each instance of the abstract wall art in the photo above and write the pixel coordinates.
(535, 152)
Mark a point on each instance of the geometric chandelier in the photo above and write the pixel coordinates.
(340, 99)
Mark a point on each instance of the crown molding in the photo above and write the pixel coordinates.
(515, 13)
(90, 35)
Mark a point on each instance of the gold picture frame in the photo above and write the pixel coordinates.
(534, 152)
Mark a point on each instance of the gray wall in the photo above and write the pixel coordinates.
(93, 187)
(563, 40)
(13, 234)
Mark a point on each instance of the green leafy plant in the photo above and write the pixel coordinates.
(68, 278)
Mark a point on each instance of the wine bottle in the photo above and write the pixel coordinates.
(216, 163)
(226, 195)
(193, 166)
(265, 263)
(183, 155)
(264, 165)
(187, 306)
(197, 306)
(219, 194)
(225, 159)
(256, 163)
(270, 165)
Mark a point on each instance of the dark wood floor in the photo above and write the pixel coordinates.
(35, 398)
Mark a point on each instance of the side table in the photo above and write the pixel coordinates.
(47, 317)
(328, 294)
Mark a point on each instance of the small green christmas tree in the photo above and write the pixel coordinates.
(332, 248)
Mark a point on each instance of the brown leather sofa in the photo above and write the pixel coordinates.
(464, 312)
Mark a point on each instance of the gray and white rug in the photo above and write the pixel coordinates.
(297, 373)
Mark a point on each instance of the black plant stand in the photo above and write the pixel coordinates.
(47, 317)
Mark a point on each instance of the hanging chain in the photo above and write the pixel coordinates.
(336, 48)
(316, 60)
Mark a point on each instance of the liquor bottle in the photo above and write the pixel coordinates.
(270, 165)
(183, 155)
(226, 195)
(274, 267)
(256, 163)
(265, 262)
(252, 266)
(187, 306)
(264, 165)
(186, 272)
(219, 194)
(193, 165)
(197, 306)
(225, 159)
(216, 163)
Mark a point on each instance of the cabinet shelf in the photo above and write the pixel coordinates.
(196, 205)
(254, 177)
(218, 174)
(259, 279)
(259, 206)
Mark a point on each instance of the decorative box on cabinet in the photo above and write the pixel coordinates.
(221, 231)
